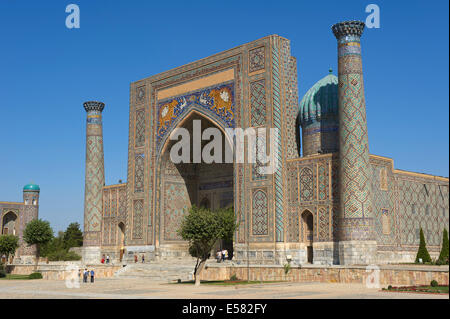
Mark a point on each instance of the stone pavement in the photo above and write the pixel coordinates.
(139, 288)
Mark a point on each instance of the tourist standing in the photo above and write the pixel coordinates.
(219, 255)
(223, 255)
(85, 275)
(107, 259)
(92, 275)
(135, 258)
(226, 254)
(143, 258)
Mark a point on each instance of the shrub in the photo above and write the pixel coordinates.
(2, 271)
(423, 252)
(433, 283)
(70, 255)
(443, 256)
(287, 268)
(64, 255)
(233, 277)
(390, 287)
(35, 275)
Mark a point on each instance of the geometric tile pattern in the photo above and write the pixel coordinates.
(324, 224)
(258, 103)
(414, 196)
(323, 182)
(139, 173)
(138, 213)
(95, 175)
(306, 184)
(176, 204)
(293, 187)
(355, 171)
(122, 210)
(140, 94)
(277, 118)
(292, 132)
(385, 222)
(256, 59)
(259, 213)
(140, 128)
(383, 179)
(114, 212)
(259, 152)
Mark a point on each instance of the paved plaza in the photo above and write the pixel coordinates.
(125, 288)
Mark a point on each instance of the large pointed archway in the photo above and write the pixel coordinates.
(182, 185)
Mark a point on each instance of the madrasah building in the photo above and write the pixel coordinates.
(330, 201)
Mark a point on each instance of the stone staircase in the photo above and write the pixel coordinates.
(162, 271)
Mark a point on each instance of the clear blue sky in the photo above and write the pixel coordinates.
(47, 71)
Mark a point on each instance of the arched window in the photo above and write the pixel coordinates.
(9, 223)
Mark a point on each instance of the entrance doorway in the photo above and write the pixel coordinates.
(200, 183)
(9, 224)
(307, 224)
(121, 240)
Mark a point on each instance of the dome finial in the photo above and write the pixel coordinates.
(330, 70)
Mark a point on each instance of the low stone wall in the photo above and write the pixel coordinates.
(61, 271)
(389, 275)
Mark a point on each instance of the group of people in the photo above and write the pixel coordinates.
(136, 258)
(105, 259)
(221, 255)
(87, 274)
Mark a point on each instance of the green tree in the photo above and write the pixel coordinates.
(423, 252)
(443, 256)
(8, 245)
(228, 223)
(203, 228)
(53, 246)
(37, 232)
(73, 236)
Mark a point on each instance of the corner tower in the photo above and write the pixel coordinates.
(31, 211)
(94, 181)
(357, 244)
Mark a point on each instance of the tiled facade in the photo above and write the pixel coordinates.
(14, 216)
(255, 85)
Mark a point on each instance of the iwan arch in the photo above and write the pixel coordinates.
(335, 204)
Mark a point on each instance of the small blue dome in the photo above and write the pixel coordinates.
(31, 187)
(320, 101)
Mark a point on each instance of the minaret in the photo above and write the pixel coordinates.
(31, 211)
(356, 231)
(94, 182)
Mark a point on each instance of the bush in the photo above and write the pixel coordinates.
(433, 283)
(423, 252)
(443, 256)
(287, 268)
(390, 287)
(2, 271)
(63, 255)
(35, 275)
(233, 277)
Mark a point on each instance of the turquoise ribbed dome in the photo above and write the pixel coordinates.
(320, 101)
(31, 187)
